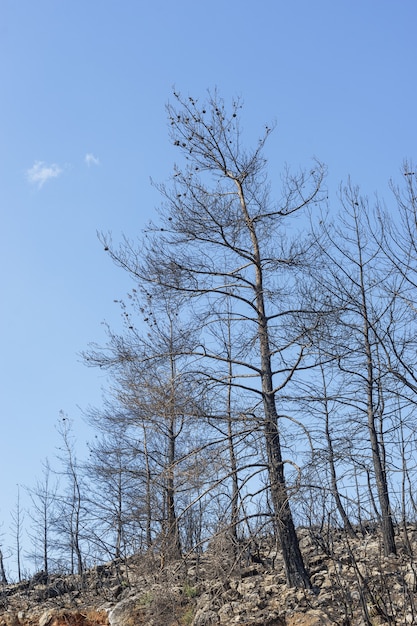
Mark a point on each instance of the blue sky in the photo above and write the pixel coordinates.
(83, 128)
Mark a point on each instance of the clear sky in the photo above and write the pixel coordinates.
(84, 85)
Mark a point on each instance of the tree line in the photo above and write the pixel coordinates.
(266, 373)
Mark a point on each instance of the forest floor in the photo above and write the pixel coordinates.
(353, 584)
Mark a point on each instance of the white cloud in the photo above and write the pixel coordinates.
(40, 172)
(90, 159)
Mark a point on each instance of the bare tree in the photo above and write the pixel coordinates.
(230, 420)
(222, 237)
(352, 281)
(398, 228)
(158, 410)
(237, 443)
(68, 522)
(329, 434)
(17, 527)
(42, 513)
(3, 576)
(113, 488)
(122, 514)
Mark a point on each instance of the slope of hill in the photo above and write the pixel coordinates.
(353, 585)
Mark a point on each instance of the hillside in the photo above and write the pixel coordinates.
(353, 584)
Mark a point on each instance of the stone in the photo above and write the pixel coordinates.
(55, 617)
(123, 613)
(311, 618)
(205, 617)
(46, 618)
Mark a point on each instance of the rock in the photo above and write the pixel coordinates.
(9, 619)
(410, 577)
(319, 578)
(46, 618)
(228, 612)
(122, 613)
(311, 618)
(55, 617)
(204, 617)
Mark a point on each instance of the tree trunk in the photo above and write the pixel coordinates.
(173, 547)
(3, 577)
(296, 573)
(172, 538)
(333, 476)
(295, 570)
(377, 453)
(234, 513)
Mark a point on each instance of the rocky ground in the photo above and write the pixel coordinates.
(353, 585)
